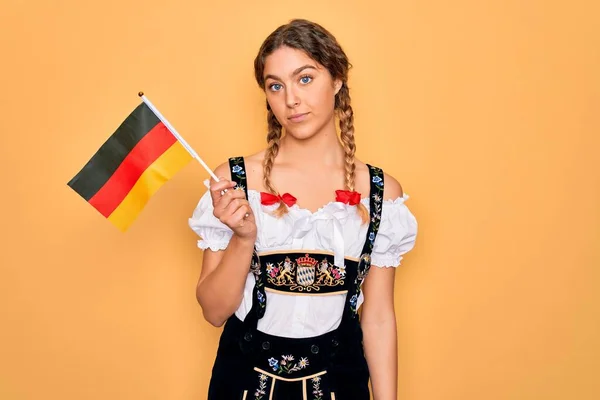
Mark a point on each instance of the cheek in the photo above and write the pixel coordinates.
(323, 103)
(277, 106)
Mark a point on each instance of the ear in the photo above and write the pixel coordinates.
(338, 85)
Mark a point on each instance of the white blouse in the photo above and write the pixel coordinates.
(297, 316)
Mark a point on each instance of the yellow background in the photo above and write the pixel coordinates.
(487, 112)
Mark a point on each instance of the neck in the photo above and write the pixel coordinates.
(323, 149)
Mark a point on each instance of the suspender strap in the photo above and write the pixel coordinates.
(238, 173)
(375, 207)
(259, 298)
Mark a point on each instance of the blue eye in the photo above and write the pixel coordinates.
(275, 87)
(306, 79)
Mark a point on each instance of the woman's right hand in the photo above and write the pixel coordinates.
(231, 207)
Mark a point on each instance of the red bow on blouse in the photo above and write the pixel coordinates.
(269, 199)
(347, 197)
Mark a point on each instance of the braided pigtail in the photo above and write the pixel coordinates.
(346, 116)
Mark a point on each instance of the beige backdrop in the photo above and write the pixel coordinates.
(487, 112)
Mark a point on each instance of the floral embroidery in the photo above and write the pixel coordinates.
(305, 274)
(363, 269)
(255, 266)
(260, 297)
(353, 301)
(365, 260)
(238, 171)
(377, 196)
(260, 392)
(239, 177)
(317, 392)
(272, 270)
(259, 284)
(287, 365)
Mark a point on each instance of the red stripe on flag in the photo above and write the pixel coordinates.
(150, 148)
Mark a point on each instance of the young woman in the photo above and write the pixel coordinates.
(299, 237)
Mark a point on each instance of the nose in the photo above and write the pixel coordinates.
(291, 98)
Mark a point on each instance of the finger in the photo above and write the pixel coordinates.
(223, 201)
(222, 185)
(239, 216)
(217, 187)
(234, 205)
(222, 208)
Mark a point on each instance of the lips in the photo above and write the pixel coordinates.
(297, 117)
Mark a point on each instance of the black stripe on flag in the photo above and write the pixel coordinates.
(111, 154)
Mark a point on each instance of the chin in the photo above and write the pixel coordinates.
(301, 133)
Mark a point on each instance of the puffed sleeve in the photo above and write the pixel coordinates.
(397, 233)
(213, 233)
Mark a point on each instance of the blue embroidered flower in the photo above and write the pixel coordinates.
(377, 179)
(353, 301)
(273, 363)
(236, 169)
(372, 236)
(261, 297)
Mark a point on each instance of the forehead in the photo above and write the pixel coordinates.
(283, 61)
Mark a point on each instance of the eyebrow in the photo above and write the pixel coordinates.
(296, 72)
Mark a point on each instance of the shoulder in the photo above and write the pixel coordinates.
(252, 164)
(392, 187)
(223, 171)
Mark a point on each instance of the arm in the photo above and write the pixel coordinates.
(378, 321)
(221, 284)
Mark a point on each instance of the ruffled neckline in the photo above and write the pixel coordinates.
(255, 194)
(333, 203)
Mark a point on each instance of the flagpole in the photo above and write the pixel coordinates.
(177, 135)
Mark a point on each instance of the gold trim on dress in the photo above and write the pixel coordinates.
(272, 390)
(304, 294)
(298, 251)
(288, 379)
(304, 389)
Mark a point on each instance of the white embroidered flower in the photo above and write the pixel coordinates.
(270, 267)
(303, 362)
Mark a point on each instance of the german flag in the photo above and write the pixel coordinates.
(135, 161)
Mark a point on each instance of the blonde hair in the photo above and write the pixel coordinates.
(322, 47)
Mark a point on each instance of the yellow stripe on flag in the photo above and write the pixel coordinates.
(159, 172)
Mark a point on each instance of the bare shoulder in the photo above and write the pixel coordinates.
(222, 171)
(361, 172)
(253, 164)
(392, 188)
